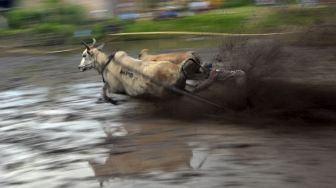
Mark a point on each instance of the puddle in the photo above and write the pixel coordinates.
(55, 134)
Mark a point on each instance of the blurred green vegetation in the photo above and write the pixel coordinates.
(246, 19)
(100, 28)
(213, 22)
(238, 16)
(66, 14)
(53, 17)
(52, 27)
(297, 17)
(20, 18)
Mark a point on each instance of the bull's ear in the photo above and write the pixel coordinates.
(100, 47)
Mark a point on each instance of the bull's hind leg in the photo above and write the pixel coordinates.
(105, 97)
(190, 69)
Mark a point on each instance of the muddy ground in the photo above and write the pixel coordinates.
(280, 132)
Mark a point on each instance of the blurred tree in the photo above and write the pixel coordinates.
(215, 3)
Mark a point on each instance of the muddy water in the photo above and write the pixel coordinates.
(55, 134)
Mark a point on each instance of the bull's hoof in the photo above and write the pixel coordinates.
(113, 102)
(106, 100)
(100, 101)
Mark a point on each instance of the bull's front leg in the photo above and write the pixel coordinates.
(105, 97)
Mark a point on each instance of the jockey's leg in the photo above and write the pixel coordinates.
(206, 83)
(221, 75)
(238, 75)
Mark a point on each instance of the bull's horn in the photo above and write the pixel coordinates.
(87, 46)
(94, 42)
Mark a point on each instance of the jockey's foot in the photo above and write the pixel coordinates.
(206, 67)
(100, 101)
(226, 74)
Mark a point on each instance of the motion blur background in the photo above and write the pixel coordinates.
(54, 22)
(279, 132)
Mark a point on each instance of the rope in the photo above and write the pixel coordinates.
(33, 51)
(199, 33)
(106, 64)
(62, 51)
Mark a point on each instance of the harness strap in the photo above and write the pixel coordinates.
(106, 64)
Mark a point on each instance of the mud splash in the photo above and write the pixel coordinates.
(285, 81)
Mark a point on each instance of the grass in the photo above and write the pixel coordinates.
(298, 17)
(14, 31)
(214, 22)
(242, 19)
(66, 29)
(222, 20)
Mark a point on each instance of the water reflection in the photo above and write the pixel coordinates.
(56, 135)
(147, 148)
(78, 143)
(46, 141)
(150, 149)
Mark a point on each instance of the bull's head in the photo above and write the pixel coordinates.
(88, 56)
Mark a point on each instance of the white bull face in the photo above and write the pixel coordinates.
(87, 61)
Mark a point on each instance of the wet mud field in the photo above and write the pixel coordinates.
(55, 134)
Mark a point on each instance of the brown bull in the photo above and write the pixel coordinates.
(194, 69)
(190, 60)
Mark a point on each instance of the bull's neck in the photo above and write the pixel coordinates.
(101, 61)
